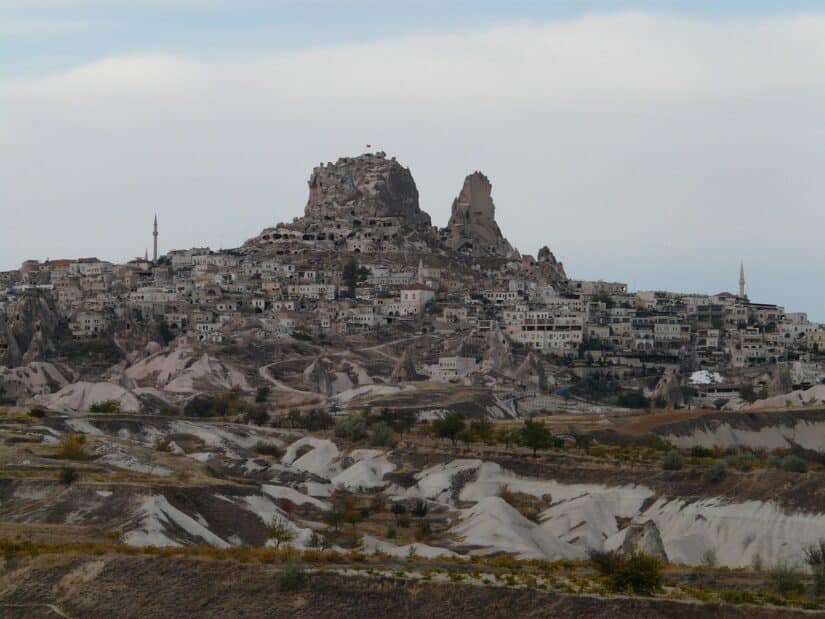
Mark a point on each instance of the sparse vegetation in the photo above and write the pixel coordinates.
(293, 577)
(68, 475)
(672, 461)
(449, 427)
(108, 407)
(353, 428)
(73, 447)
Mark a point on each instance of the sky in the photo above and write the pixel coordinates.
(653, 143)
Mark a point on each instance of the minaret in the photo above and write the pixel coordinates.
(155, 234)
(421, 271)
(742, 279)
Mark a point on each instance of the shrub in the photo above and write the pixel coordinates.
(420, 509)
(815, 558)
(605, 562)
(262, 394)
(293, 577)
(697, 451)
(786, 580)
(73, 447)
(398, 509)
(37, 412)
(672, 461)
(268, 449)
(633, 399)
(68, 475)
(218, 405)
(279, 532)
(423, 530)
(792, 464)
(380, 434)
(109, 406)
(717, 473)
(256, 414)
(638, 573)
(352, 428)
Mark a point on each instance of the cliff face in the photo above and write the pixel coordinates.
(27, 331)
(472, 227)
(368, 186)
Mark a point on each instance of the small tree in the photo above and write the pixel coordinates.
(279, 532)
(483, 429)
(536, 436)
(449, 427)
(262, 394)
(672, 461)
(815, 558)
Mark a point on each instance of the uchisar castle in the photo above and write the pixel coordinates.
(365, 265)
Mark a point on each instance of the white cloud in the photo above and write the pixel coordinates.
(655, 149)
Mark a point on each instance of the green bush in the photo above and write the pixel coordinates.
(68, 475)
(218, 405)
(697, 451)
(262, 394)
(792, 464)
(268, 449)
(786, 580)
(638, 573)
(717, 473)
(380, 434)
(352, 428)
(420, 509)
(37, 412)
(109, 407)
(293, 577)
(633, 399)
(605, 562)
(672, 461)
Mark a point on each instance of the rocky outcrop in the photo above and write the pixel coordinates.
(531, 372)
(646, 539)
(472, 228)
(28, 330)
(780, 381)
(320, 376)
(361, 187)
(36, 378)
(498, 357)
(404, 370)
(668, 390)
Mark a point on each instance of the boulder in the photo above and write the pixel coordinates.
(644, 537)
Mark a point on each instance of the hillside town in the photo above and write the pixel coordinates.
(364, 262)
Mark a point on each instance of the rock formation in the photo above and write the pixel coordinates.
(362, 187)
(404, 370)
(669, 390)
(27, 332)
(645, 538)
(498, 357)
(531, 372)
(472, 228)
(319, 377)
(780, 381)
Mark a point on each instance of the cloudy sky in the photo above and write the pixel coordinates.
(656, 143)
